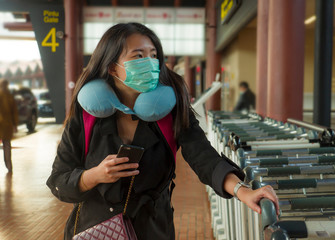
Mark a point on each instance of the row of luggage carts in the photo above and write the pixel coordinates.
(297, 160)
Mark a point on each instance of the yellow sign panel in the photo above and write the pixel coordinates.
(228, 7)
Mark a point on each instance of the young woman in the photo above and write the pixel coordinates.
(130, 61)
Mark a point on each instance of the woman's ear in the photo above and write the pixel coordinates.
(111, 69)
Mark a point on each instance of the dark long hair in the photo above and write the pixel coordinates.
(108, 51)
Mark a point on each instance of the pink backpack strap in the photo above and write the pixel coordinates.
(166, 127)
(89, 121)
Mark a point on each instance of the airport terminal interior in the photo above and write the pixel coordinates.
(260, 75)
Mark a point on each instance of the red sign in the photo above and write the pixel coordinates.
(159, 15)
(98, 14)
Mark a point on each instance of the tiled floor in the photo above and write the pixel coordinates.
(28, 211)
(192, 215)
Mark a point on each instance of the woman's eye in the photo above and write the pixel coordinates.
(154, 56)
(139, 56)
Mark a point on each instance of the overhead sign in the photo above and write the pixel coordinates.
(228, 8)
(159, 15)
(190, 15)
(181, 30)
(144, 15)
(98, 14)
(123, 15)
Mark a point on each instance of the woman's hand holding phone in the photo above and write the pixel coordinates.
(110, 170)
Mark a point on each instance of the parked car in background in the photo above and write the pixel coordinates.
(43, 103)
(26, 106)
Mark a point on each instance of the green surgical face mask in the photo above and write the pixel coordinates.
(142, 74)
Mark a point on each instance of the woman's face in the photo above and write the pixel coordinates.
(137, 46)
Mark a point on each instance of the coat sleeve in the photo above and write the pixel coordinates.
(210, 167)
(69, 164)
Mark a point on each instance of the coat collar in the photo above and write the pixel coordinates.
(144, 136)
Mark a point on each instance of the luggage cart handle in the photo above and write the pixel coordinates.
(286, 230)
(293, 229)
(268, 212)
(297, 183)
(313, 203)
(252, 173)
(311, 126)
(267, 162)
(283, 171)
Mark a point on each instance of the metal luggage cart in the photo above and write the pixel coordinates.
(284, 161)
(289, 172)
(289, 188)
(222, 222)
(284, 152)
(324, 139)
(309, 222)
(317, 205)
(295, 152)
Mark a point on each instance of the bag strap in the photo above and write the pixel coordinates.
(165, 124)
(89, 122)
(124, 209)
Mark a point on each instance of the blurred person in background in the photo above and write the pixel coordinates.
(246, 101)
(8, 121)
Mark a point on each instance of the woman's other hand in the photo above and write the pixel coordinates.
(110, 170)
(248, 196)
(252, 197)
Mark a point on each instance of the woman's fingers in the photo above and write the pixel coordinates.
(110, 157)
(270, 194)
(126, 174)
(111, 160)
(123, 167)
(255, 207)
(113, 168)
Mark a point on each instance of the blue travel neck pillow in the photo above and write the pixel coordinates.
(98, 98)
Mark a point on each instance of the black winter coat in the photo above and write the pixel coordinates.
(149, 207)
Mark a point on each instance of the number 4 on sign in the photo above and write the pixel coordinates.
(52, 43)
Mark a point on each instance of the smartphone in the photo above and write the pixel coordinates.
(134, 153)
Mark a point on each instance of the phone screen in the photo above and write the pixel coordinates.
(134, 153)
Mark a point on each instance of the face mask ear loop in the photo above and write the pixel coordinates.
(117, 76)
(120, 65)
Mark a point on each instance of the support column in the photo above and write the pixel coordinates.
(171, 62)
(323, 50)
(212, 57)
(262, 56)
(146, 3)
(73, 51)
(286, 59)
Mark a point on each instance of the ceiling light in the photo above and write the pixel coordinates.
(310, 20)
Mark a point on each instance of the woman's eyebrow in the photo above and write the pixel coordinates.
(142, 50)
(137, 50)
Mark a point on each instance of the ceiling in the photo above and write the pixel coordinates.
(152, 3)
(310, 11)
